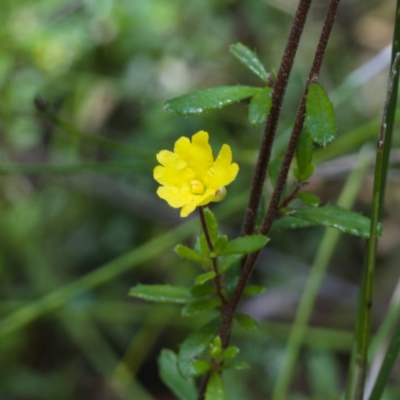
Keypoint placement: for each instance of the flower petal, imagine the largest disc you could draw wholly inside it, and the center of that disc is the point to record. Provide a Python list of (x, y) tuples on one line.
[(174, 196), (222, 172), (198, 200), (197, 154), (174, 172)]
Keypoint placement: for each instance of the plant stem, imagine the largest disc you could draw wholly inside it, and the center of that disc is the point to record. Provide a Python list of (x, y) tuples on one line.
[(317, 272), (264, 154), (357, 372), (273, 210), (214, 261)]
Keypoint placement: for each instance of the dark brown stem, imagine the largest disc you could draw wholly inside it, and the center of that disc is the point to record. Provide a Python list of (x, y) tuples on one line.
[(214, 261), (273, 210), (273, 117)]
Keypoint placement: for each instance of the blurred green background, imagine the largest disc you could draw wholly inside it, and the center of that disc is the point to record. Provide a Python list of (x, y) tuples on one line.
[(81, 223)]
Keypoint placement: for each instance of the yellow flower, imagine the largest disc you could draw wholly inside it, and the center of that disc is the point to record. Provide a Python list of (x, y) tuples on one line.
[(189, 175)]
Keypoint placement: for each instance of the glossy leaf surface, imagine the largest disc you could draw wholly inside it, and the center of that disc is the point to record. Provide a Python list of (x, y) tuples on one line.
[(249, 59), (161, 293), (209, 99), (260, 106), (245, 244)]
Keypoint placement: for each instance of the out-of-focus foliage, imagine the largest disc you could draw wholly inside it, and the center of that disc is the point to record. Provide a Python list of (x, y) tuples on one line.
[(107, 67)]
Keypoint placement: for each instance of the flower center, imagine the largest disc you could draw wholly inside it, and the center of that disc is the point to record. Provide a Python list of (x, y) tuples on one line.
[(196, 187)]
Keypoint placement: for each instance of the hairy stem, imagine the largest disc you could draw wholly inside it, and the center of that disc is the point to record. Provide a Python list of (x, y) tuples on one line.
[(273, 117)]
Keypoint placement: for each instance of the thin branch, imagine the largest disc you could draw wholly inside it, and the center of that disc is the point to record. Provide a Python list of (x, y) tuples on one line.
[(273, 117), (214, 261)]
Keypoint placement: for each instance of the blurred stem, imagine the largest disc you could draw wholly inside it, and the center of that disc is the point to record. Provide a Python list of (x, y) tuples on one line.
[(320, 264), (357, 371), (103, 143)]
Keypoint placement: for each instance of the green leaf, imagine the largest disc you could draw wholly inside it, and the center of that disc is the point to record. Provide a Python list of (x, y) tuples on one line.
[(336, 217), (200, 367), (187, 253), (236, 365), (309, 199), (245, 244), (184, 389), (200, 306), (216, 348), (320, 117), (259, 107), (229, 261), (200, 279), (302, 176), (195, 344), (253, 290), (220, 244), (161, 293), (212, 224), (229, 353), (249, 59), (304, 150), (246, 322), (199, 291), (215, 388), (209, 99), (290, 222)]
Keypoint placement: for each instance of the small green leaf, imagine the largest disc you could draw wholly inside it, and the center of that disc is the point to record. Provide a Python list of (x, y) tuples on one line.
[(216, 348), (187, 253), (200, 367), (184, 389), (215, 388), (203, 278), (304, 150), (212, 224), (260, 106), (229, 353), (161, 293), (309, 199), (236, 365), (220, 244), (195, 344), (273, 170), (249, 59), (200, 306), (199, 291), (253, 290), (320, 117), (246, 322), (209, 99), (229, 261), (290, 222), (245, 244), (205, 250), (336, 217), (304, 175)]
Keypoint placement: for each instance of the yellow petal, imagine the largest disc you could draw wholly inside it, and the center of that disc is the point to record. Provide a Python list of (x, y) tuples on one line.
[(174, 171), (197, 154), (174, 196), (222, 172)]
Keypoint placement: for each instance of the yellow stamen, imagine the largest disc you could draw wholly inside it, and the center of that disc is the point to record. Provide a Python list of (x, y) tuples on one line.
[(197, 187)]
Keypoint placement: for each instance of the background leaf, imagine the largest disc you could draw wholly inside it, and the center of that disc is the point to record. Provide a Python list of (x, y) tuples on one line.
[(161, 293), (249, 59), (336, 217), (320, 117), (184, 389), (200, 306), (246, 321), (209, 99)]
